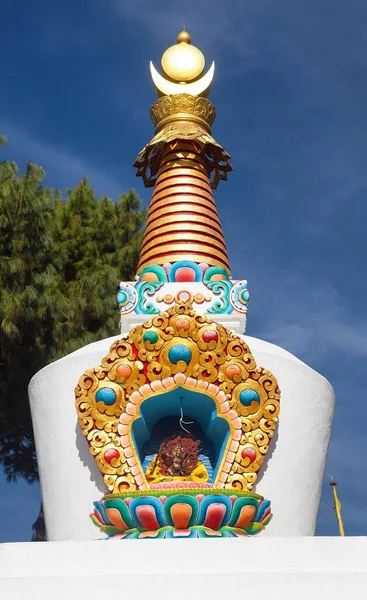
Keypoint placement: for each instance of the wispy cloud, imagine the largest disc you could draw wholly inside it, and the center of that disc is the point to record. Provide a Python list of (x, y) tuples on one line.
[(63, 167), (309, 318), (298, 30), (212, 23)]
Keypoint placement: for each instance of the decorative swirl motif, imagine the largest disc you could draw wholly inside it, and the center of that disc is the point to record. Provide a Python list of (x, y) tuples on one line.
[(222, 305), (240, 296), (146, 288), (172, 349), (127, 298)]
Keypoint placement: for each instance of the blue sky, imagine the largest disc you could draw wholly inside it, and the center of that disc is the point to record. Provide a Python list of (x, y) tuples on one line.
[(291, 98)]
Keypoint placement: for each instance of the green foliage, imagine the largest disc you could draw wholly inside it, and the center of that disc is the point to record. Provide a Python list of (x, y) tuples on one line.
[(60, 264)]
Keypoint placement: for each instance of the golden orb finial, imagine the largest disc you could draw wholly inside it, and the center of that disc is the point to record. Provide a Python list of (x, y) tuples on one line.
[(184, 36), (183, 62)]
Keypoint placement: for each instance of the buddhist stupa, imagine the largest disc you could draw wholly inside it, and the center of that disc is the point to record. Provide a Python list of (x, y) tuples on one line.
[(181, 426)]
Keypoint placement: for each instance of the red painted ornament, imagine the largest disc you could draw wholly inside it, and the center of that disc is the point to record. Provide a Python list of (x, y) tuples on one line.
[(185, 274), (249, 453), (209, 335), (110, 454)]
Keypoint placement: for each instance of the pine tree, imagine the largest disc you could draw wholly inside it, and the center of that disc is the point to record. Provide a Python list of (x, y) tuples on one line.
[(99, 241), (27, 274), (60, 264)]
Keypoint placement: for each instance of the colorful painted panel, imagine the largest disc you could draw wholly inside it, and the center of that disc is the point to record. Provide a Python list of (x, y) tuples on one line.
[(187, 355), (160, 287), (185, 513)]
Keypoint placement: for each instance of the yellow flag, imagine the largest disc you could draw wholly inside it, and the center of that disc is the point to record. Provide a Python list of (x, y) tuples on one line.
[(337, 507)]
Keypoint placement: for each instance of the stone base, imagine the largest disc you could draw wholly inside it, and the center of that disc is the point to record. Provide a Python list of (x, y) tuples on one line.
[(276, 568)]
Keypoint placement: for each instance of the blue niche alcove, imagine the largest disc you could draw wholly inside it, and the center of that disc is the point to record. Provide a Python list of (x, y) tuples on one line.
[(159, 419)]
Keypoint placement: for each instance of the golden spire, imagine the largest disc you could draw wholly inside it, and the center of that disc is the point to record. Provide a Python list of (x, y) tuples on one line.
[(183, 222), (337, 507), (184, 163)]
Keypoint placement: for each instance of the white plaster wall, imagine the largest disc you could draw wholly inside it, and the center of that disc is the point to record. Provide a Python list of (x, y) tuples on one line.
[(274, 568), (291, 477)]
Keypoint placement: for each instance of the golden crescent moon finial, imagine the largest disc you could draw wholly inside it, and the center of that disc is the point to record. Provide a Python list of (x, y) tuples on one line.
[(183, 64), (170, 88)]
